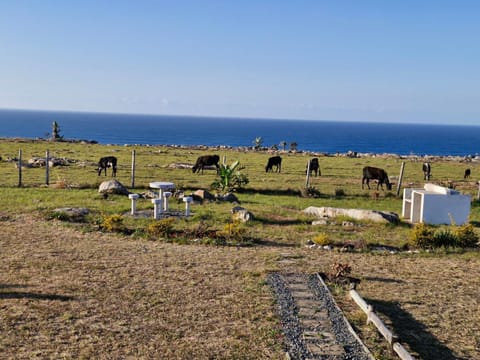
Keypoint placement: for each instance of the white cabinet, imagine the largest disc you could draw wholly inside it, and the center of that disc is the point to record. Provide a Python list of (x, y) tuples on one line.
[(435, 205)]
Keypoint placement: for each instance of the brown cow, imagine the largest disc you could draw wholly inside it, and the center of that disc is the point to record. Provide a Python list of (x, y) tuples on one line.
[(204, 161), (373, 173), (274, 161), (314, 167)]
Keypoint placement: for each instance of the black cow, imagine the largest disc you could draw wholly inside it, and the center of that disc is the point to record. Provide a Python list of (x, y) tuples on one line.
[(314, 167), (373, 173), (106, 162), (274, 161), (467, 173), (427, 171), (205, 160)]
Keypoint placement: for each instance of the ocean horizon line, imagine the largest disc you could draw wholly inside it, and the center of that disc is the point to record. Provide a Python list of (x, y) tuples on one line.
[(233, 117)]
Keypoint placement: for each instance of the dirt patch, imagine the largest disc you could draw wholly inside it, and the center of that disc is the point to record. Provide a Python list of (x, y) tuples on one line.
[(73, 295), (64, 293)]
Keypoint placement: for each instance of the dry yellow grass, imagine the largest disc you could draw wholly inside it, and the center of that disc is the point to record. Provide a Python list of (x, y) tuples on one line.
[(67, 294)]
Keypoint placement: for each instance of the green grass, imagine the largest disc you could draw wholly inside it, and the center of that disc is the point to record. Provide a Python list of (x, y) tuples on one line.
[(273, 198)]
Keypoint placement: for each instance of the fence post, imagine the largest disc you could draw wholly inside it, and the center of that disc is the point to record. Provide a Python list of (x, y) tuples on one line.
[(47, 167), (400, 178), (307, 181), (20, 168), (133, 169)]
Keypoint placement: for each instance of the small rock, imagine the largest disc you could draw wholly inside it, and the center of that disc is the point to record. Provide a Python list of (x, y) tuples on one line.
[(241, 214), (149, 194), (229, 197), (320, 222), (73, 214), (204, 195)]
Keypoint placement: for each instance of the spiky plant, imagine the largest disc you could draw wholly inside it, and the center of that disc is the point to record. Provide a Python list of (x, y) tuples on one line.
[(229, 177)]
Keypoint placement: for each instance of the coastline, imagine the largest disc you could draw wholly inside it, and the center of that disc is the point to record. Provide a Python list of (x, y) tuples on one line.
[(348, 154), (320, 136)]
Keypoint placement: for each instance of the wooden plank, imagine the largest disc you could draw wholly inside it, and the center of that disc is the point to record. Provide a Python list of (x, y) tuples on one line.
[(401, 352), (359, 301), (387, 334)]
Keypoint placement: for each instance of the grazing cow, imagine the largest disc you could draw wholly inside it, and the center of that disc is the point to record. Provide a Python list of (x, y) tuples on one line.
[(106, 162), (205, 160), (373, 173), (314, 167), (274, 161), (467, 173), (426, 171)]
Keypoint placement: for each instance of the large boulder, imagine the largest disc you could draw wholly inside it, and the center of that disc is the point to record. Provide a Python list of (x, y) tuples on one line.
[(113, 187), (357, 214)]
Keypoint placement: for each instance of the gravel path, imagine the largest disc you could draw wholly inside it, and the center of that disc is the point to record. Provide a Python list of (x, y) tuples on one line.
[(314, 327)]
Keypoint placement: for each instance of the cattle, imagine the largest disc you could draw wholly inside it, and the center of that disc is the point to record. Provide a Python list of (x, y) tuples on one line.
[(314, 167), (274, 161), (467, 173), (106, 162), (204, 161), (373, 173), (426, 171)]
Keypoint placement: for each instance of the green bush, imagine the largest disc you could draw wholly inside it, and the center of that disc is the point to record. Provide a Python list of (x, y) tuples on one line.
[(444, 238), (113, 223), (465, 236), (339, 193), (233, 233), (162, 228), (425, 237), (421, 236)]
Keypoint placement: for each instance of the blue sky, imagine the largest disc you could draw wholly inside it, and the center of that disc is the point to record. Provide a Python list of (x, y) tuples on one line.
[(399, 61)]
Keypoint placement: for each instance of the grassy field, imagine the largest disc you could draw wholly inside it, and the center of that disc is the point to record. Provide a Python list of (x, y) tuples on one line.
[(70, 290)]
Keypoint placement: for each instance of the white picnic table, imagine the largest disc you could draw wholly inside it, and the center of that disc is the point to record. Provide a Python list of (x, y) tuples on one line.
[(161, 203)]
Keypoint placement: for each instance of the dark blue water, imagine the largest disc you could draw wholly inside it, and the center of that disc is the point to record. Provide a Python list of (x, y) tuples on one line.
[(318, 136)]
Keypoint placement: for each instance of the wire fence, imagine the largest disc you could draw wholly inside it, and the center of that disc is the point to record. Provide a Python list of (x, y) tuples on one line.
[(135, 169)]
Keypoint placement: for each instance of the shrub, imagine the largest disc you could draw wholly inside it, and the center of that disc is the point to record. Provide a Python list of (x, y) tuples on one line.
[(113, 223), (465, 236), (229, 177), (339, 193), (233, 232), (425, 237), (322, 239), (162, 228), (445, 238), (310, 191), (421, 236)]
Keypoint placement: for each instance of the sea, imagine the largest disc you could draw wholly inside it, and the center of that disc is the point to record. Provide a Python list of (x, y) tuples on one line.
[(329, 137)]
